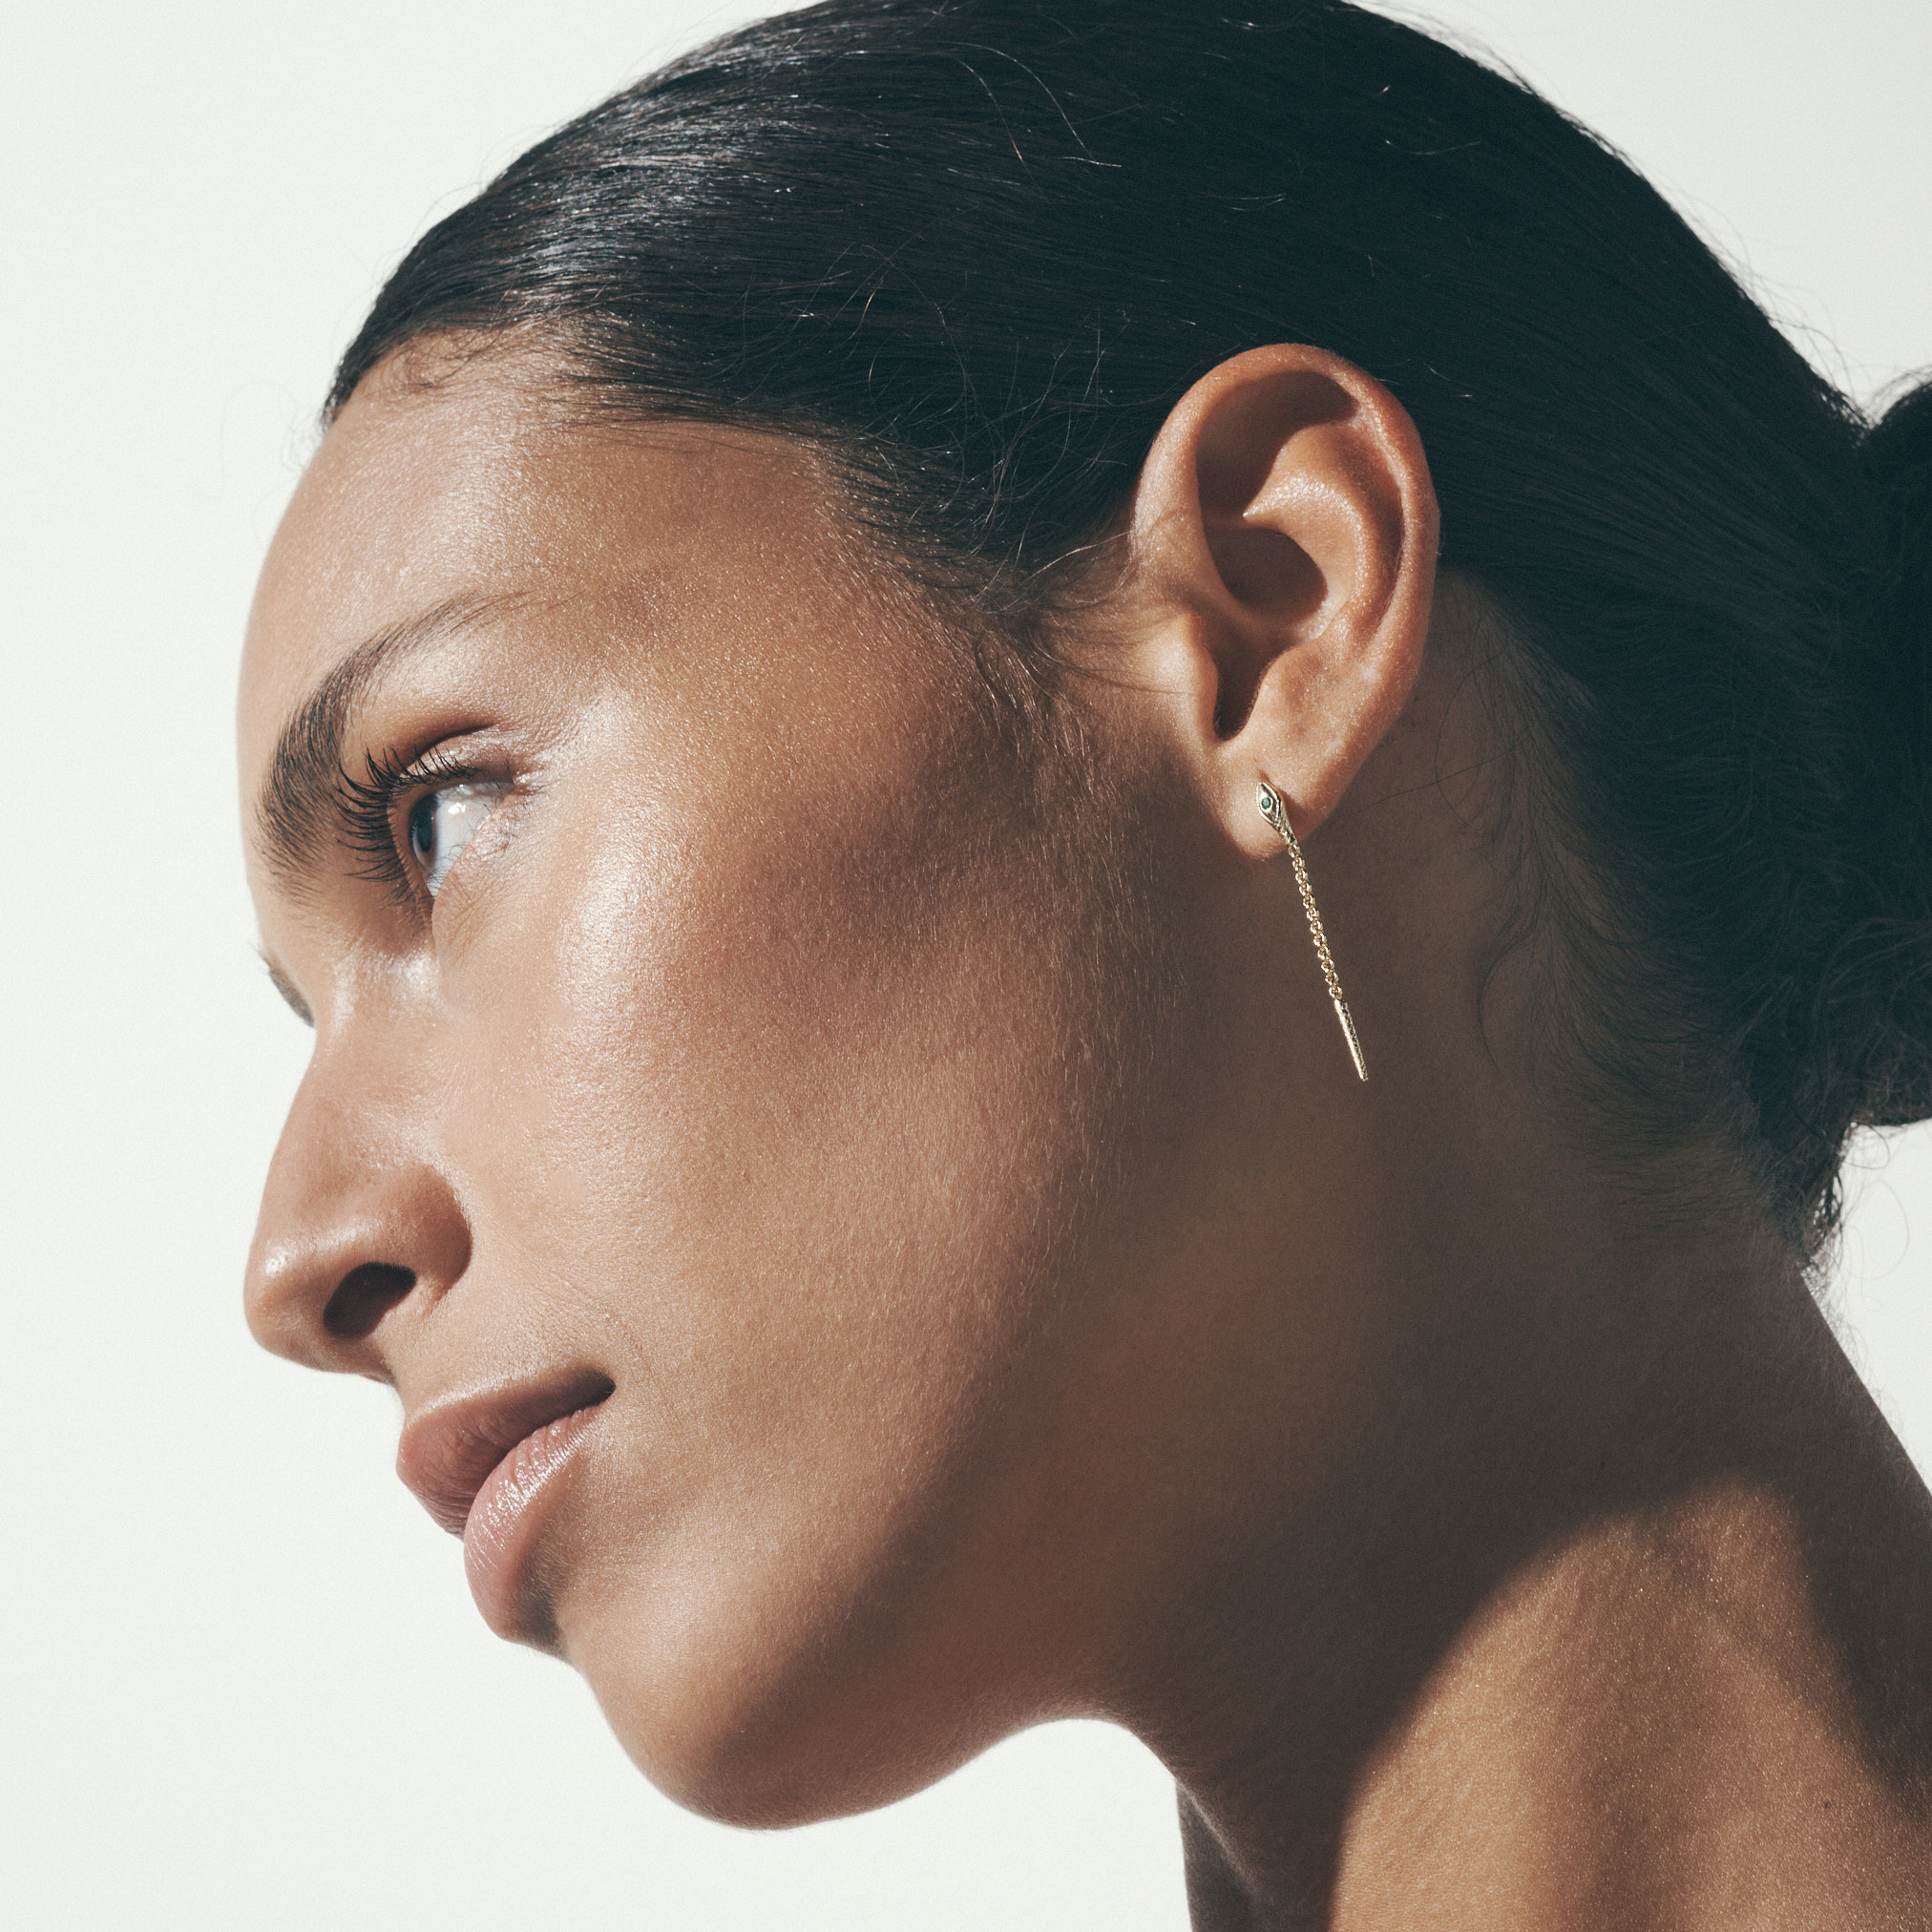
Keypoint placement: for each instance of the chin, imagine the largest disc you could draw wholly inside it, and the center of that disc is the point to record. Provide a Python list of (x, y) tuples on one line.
[(777, 1719), (772, 1754)]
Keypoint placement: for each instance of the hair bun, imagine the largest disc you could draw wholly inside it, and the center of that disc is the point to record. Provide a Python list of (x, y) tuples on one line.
[(1888, 957)]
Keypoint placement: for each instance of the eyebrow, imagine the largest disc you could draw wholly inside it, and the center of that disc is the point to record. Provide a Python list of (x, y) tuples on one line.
[(298, 810)]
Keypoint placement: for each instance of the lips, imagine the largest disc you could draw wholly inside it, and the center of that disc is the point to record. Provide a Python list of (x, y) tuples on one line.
[(480, 1463)]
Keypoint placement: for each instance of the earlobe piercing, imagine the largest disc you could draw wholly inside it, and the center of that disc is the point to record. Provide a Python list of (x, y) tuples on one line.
[(1275, 813)]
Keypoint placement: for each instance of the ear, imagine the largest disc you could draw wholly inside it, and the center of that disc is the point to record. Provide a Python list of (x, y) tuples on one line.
[(1284, 535)]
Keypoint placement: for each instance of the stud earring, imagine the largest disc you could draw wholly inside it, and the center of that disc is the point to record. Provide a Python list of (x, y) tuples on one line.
[(1275, 813)]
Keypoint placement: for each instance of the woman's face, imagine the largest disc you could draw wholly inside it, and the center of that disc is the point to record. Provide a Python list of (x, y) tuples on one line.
[(726, 1042)]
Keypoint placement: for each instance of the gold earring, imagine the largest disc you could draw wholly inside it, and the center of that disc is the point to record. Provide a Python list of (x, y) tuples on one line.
[(1275, 813)]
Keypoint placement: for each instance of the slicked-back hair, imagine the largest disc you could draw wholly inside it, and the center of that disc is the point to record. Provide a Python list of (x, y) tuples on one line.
[(977, 249)]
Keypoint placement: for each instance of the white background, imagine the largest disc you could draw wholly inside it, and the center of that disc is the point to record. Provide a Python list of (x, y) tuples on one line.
[(240, 1681)]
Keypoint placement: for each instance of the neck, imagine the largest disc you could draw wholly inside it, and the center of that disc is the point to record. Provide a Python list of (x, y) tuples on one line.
[(1494, 1538), (1617, 1616)]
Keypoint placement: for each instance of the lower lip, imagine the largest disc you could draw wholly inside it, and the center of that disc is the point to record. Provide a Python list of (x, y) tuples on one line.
[(505, 1519)]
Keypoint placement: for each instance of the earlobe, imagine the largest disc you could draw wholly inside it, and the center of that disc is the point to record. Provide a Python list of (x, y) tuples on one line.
[(1286, 527)]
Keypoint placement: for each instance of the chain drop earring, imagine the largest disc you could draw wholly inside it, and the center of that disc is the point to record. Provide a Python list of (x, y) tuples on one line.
[(1275, 811)]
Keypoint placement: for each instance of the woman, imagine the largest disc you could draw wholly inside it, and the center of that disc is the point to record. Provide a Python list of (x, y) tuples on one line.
[(1099, 821)]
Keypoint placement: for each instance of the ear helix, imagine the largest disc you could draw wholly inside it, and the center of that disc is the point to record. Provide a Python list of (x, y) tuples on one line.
[(1272, 809)]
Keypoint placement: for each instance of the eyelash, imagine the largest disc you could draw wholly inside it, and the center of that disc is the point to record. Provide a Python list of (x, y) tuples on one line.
[(369, 806)]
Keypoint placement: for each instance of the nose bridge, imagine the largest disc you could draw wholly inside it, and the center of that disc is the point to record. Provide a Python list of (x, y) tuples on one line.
[(359, 1222)]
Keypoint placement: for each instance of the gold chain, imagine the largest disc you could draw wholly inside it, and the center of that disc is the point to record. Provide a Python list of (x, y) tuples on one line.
[(1275, 813)]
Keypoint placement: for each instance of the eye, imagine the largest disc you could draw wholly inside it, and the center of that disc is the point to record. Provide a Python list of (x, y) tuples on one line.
[(444, 821)]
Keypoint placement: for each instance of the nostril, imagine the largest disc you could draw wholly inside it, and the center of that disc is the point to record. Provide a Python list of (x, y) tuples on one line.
[(363, 1297)]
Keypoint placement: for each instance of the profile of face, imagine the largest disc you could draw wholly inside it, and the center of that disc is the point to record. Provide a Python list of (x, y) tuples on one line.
[(832, 1100), (753, 1122)]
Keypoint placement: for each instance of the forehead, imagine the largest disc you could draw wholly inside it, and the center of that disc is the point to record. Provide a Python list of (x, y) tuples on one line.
[(485, 486)]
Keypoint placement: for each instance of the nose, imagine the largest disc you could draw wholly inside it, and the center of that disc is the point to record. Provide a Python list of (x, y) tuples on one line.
[(359, 1230)]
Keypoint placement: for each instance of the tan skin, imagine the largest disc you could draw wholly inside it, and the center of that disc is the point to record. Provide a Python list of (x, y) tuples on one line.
[(936, 1138)]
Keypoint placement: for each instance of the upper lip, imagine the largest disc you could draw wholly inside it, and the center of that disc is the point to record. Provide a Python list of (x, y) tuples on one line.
[(448, 1449)]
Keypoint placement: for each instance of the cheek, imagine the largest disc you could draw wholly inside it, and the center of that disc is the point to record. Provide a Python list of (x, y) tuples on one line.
[(796, 1115), (803, 1128)]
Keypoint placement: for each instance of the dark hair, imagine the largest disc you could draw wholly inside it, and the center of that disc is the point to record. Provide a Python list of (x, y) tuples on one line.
[(977, 249)]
